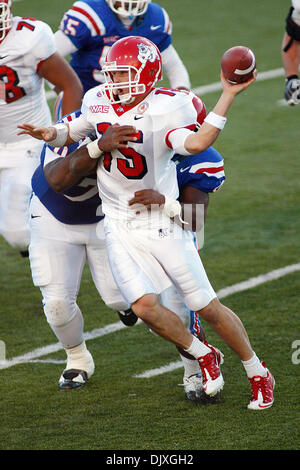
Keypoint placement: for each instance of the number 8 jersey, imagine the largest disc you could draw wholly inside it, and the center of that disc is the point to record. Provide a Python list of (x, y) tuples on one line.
[(22, 95)]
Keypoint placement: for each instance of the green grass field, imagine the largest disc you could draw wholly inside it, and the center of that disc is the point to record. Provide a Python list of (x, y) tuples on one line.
[(252, 228)]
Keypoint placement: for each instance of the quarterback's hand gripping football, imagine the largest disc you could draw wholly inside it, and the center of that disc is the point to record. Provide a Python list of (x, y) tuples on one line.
[(237, 88), (41, 133)]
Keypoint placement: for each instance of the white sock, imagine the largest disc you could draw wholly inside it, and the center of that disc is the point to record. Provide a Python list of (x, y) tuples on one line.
[(254, 367), (191, 366), (80, 358), (197, 348), (77, 352)]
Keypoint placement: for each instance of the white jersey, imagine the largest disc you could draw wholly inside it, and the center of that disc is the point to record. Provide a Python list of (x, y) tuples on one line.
[(146, 164), (22, 94), (296, 11), (296, 4)]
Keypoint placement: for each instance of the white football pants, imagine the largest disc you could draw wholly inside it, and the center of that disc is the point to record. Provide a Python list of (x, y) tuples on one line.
[(144, 260), (58, 253), (15, 191)]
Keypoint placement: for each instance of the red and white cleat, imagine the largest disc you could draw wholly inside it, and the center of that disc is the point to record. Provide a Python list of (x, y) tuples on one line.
[(262, 391), (213, 381)]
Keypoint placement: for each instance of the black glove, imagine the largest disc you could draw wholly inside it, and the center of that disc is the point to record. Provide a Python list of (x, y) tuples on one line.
[(292, 90)]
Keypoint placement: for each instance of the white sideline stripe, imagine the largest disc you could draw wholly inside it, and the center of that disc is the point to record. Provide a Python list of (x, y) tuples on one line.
[(282, 102), (256, 281), (52, 348), (159, 370), (202, 90), (241, 286), (49, 361), (112, 327)]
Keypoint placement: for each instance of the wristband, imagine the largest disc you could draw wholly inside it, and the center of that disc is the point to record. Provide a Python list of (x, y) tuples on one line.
[(93, 149), (62, 131), (216, 120), (172, 208)]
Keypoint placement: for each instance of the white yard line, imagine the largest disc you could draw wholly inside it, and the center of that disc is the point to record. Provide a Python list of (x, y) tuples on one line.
[(113, 327), (52, 348), (241, 286), (256, 281), (203, 90)]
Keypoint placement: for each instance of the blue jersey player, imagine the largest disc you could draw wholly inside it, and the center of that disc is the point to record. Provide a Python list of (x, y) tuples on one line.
[(90, 27)]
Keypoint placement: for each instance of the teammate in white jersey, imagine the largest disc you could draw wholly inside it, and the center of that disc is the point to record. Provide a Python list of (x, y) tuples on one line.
[(27, 57), (146, 250), (290, 54)]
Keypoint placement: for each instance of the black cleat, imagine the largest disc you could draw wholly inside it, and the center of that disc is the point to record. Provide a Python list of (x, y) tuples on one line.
[(193, 387), (24, 254), (72, 378), (127, 317)]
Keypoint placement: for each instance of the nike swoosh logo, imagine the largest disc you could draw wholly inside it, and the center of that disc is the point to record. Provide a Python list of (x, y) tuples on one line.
[(136, 118), (153, 28), (3, 57), (266, 406), (35, 216), (184, 169)]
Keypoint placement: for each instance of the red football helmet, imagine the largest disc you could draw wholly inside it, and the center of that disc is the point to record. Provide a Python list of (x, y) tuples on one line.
[(128, 8), (132, 54), (5, 17)]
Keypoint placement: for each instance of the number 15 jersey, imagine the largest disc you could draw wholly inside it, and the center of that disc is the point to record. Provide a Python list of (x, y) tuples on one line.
[(146, 163)]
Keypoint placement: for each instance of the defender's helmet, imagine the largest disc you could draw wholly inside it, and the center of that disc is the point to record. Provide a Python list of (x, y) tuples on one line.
[(128, 8), (5, 18), (133, 53)]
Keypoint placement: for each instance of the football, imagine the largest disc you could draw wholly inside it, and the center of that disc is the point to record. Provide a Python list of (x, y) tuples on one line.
[(238, 64)]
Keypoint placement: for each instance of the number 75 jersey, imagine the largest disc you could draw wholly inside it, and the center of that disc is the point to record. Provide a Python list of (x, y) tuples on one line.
[(146, 163), (22, 95)]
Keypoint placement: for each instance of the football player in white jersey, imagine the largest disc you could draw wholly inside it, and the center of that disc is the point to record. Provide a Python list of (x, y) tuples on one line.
[(67, 230), (27, 57), (290, 54), (140, 127)]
